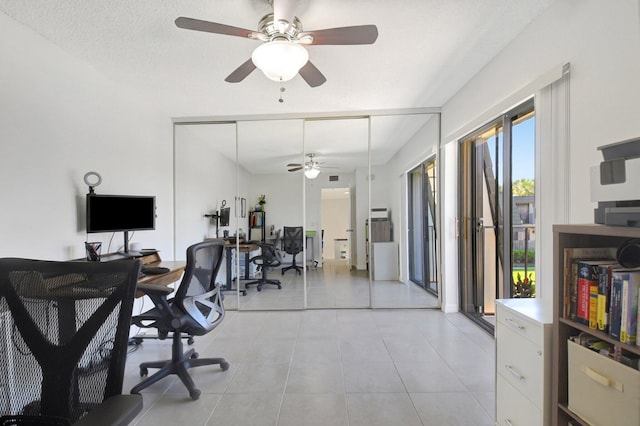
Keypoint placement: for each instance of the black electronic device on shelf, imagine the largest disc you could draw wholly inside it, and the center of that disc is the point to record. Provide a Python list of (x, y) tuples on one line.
[(120, 213)]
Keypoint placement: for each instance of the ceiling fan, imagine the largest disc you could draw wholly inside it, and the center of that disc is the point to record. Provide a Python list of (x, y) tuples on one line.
[(311, 167), (282, 56)]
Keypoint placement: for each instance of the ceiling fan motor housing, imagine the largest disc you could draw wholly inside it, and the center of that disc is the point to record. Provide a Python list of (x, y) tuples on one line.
[(280, 29)]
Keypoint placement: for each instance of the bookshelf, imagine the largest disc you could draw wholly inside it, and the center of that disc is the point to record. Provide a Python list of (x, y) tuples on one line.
[(257, 226), (566, 236)]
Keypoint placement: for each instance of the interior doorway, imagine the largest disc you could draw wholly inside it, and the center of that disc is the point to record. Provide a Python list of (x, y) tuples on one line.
[(336, 227)]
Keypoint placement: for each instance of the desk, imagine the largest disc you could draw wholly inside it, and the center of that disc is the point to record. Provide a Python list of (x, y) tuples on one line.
[(243, 248), (176, 269)]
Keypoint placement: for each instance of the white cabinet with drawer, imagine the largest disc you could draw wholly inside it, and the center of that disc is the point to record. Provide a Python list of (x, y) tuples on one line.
[(523, 362)]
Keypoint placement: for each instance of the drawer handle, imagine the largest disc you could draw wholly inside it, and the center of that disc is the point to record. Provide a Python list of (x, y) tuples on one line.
[(513, 371), (603, 380), (514, 324)]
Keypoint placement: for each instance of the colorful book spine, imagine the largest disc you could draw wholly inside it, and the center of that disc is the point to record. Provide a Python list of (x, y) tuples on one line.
[(629, 315), (638, 323), (604, 296), (587, 278), (615, 306), (572, 256), (593, 307)]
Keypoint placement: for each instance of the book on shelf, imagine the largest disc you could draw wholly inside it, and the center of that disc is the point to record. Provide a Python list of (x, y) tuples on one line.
[(593, 307), (604, 296), (638, 323), (615, 304), (623, 308), (572, 256), (629, 314), (587, 290)]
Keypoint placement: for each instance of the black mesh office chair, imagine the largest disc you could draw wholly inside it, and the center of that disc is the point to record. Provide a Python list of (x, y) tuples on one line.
[(195, 310), (65, 328), (265, 260), (292, 243)]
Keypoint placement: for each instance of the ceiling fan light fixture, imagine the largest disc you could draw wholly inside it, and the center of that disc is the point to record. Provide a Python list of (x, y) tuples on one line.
[(280, 60), (311, 171)]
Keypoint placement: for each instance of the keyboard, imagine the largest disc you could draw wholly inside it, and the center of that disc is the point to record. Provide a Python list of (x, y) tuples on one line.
[(158, 270)]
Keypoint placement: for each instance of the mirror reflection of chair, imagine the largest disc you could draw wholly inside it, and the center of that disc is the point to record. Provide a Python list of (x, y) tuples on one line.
[(195, 310), (265, 260), (66, 331), (292, 241)]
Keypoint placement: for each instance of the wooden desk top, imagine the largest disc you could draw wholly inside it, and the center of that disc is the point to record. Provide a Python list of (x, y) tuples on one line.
[(176, 269), (242, 247)]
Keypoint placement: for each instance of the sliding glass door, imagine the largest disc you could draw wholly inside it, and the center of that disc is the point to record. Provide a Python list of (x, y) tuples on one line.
[(422, 231), (496, 218)]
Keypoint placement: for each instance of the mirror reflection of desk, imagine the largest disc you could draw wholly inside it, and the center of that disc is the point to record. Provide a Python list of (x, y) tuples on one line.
[(242, 247)]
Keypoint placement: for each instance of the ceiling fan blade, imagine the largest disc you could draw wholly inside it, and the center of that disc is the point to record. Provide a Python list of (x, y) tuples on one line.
[(296, 169), (360, 34), (213, 27), (294, 165), (241, 72), (312, 75)]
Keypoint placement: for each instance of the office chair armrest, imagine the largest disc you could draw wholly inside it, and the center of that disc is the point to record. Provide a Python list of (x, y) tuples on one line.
[(154, 289), (117, 410)]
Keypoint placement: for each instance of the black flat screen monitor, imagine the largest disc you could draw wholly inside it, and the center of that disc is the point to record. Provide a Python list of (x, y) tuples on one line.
[(225, 213), (112, 213)]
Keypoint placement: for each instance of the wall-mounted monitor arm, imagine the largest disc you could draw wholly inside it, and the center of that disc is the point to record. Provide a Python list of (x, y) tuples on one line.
[(214, 217)]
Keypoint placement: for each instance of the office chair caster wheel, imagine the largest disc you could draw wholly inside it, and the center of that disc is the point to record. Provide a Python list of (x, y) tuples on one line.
[(190, 341), (279, 287), (195, 355), (224, 365), (259, 289), (144, 372), (195, 394)]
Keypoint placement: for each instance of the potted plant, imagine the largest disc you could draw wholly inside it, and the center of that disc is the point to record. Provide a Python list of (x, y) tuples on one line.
[(261, 202)]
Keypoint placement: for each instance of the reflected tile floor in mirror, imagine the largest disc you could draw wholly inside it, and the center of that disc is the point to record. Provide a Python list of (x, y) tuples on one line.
[(332, 286), (330, 367)]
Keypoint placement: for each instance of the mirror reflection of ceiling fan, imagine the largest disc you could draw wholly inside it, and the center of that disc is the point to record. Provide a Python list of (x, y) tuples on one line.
[(282, 56), (311, 167)]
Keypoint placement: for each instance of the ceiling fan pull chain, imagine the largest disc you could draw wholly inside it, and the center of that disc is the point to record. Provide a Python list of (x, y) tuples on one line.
[(282, 89)]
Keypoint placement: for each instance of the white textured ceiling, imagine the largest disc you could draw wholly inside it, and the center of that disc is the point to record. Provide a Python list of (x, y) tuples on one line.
[(425, 52)]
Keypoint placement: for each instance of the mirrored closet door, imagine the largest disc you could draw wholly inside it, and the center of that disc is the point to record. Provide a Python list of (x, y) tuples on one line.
[(336, 205), (325, 198), (398, 144), (274, 222)]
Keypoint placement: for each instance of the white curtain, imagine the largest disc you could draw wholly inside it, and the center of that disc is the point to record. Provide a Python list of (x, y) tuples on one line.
[(553, 173)]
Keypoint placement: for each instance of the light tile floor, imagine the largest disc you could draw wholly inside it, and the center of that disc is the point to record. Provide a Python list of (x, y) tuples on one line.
[(330, 367)]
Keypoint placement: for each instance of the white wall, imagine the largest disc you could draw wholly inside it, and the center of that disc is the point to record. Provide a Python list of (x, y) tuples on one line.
[(59, 118), (204, 179), (283, 192), (601, 40)]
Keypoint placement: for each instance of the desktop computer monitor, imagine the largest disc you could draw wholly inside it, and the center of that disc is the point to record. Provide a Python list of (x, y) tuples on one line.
[(225, 213)]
